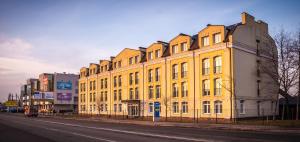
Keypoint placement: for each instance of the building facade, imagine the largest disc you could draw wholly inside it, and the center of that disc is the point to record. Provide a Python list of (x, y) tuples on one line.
[(215, 73), (56, 92)]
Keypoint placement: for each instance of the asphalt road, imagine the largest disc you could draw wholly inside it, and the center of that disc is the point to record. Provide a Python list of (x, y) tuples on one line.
[(15, 128)]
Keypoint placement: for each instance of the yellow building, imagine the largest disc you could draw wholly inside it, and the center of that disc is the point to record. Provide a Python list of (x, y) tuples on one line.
[(215, 73)]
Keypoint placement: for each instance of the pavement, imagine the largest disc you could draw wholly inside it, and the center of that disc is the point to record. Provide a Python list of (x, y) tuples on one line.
[(19, 128)]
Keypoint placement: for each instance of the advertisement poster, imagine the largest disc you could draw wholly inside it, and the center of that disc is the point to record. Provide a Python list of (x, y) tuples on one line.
[(48, 95), (37, 95), (64, 96), (64, 85)]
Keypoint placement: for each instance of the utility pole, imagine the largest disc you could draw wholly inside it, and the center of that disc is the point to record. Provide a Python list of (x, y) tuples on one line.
[(297, 115)]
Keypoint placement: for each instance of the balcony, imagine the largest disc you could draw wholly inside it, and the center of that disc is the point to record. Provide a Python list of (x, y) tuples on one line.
[(218, 69)]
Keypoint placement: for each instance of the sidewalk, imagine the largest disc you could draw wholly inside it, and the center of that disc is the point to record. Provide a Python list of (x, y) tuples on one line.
[(202, 125)]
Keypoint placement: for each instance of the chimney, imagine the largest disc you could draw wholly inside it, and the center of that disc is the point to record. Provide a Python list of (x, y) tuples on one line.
[(247, 18)]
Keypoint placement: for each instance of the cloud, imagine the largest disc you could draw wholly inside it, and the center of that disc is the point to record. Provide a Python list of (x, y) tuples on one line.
[(17, 64), (14, 47)]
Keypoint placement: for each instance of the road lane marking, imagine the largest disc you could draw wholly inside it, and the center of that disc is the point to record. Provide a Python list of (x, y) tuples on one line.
[(131, 132), (72, 133), (78, 134)]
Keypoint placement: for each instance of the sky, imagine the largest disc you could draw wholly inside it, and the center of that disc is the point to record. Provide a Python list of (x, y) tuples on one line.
[(38, 36)]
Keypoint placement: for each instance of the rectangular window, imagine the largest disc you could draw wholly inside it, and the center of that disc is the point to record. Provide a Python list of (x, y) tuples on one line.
[(130, 60), (150, 55), (115, 81), (205, 41), (136, 59), (150, 75), (120, 80), (218, 65), (105, 95), (157, 91), (217, 38), (102, 84), (184, 89), (242, 107), (175, 90), (157, 76), (184, 70), (157, 53), (105, 83), (131, 94), (115, 107), (218, 86), (175, 71), (206, 107), (119, 64), (120, 94), (175, 49), (150, 107), (136, 78), (130, 78), (184, 107), (136, 93), (205, 66), (120, 107), (175, 107), (206, 87), (115, 95), (218, 107), (184, 46), (150, 91)]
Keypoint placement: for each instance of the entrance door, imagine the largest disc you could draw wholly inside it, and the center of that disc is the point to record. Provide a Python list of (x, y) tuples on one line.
[(133, 110)]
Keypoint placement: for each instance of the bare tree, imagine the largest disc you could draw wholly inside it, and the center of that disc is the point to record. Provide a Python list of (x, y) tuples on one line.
[(167, 103), (282, 68), (100, 103)]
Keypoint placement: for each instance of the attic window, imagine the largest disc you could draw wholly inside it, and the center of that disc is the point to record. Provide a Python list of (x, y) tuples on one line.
[(217, 38), (205, 41)]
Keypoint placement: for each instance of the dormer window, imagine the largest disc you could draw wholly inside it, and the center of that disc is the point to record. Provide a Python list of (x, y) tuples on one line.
[(157, 53), (217, 38), (130, 60), (136, 59), (175, 49), (119, 64), (150, 55), (184, 46), (115, 65), (205, 41)]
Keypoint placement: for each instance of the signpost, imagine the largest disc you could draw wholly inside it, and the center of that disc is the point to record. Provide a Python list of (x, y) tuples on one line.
[(156, 115)]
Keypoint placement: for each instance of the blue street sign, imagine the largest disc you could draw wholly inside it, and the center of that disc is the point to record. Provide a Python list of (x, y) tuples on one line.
[(156, 111)]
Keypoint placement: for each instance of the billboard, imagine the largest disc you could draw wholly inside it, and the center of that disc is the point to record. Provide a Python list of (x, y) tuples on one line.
[(48, 95), (64, 96), (37, 95), (11, 103), (60, 85)]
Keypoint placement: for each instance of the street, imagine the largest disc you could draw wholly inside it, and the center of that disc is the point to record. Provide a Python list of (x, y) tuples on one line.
[(14, 127)]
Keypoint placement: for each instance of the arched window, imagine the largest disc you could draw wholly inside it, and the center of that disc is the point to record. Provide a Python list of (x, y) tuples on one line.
[(218, 64)]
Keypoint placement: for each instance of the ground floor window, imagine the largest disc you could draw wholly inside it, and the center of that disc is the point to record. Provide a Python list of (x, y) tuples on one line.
[(218, 107), (175, 107), (150, 107), (184, 106), (115, 107), (206, 107), (242, 106), (120, 107)]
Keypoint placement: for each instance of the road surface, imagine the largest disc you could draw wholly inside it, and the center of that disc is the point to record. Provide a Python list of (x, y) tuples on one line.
[(18, 128)]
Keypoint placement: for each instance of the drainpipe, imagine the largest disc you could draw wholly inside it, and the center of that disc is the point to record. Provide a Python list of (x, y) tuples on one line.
[(143, 90), (194, 74), (231, 86), (166, 96)]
